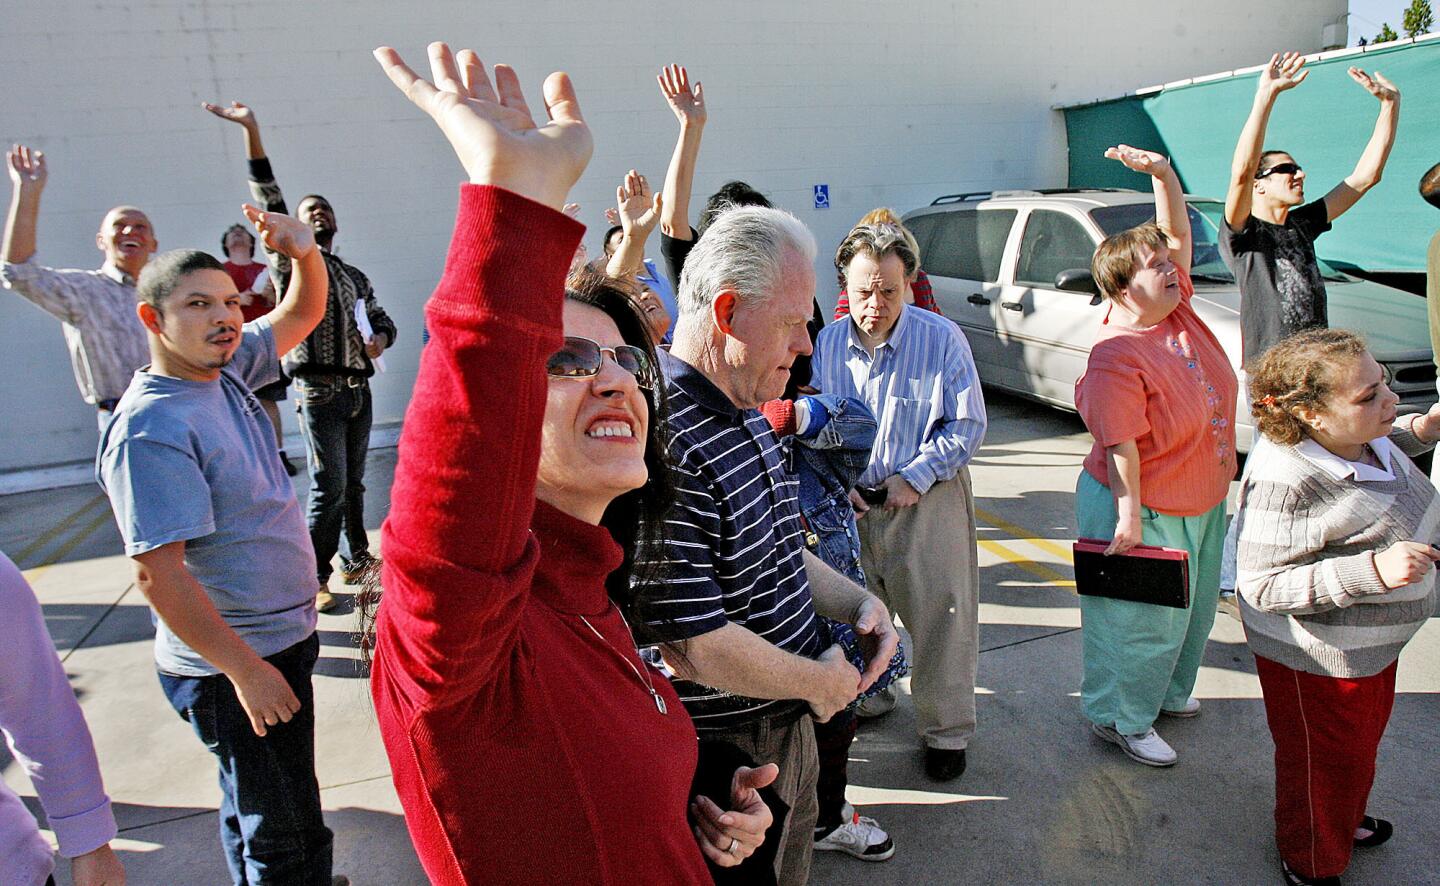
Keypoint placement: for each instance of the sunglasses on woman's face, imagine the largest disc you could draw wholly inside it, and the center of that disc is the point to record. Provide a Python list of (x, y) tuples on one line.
[(582, 358), (1285, 168)]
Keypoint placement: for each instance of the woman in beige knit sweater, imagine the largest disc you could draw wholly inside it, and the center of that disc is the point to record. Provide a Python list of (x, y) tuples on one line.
[(1336, 574)]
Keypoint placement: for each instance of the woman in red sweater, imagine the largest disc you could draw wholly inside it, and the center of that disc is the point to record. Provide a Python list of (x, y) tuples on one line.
[(528, 740)]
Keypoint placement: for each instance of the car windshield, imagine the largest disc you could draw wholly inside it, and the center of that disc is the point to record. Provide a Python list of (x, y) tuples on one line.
[(1206, 216)]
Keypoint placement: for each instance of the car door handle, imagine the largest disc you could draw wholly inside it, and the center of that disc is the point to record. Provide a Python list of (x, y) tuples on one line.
[(1012, 306), (978, 299)]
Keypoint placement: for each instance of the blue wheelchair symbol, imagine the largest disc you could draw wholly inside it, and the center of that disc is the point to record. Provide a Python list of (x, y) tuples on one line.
[(822, 196)]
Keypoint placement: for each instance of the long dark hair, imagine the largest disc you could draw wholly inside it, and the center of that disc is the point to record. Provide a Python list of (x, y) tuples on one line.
[(636, 520)]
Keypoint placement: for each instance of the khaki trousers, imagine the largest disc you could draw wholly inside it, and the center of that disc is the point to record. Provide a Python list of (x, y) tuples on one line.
[(921, 562), (792, 748)]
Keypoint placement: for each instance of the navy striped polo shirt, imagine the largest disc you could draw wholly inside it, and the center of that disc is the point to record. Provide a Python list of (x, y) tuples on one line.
[(734, 542)]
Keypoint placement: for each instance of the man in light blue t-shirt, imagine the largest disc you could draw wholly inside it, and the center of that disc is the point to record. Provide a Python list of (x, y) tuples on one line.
[(220, 546)]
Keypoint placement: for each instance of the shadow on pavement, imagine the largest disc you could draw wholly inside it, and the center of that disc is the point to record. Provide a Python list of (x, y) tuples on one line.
[(72, 625), (181, 844)]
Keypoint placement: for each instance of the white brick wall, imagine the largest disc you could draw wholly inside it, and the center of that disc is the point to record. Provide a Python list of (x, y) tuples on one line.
[(889, 104)]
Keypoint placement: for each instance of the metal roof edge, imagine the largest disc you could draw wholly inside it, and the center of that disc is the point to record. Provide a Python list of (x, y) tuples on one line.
[(1326, 55)]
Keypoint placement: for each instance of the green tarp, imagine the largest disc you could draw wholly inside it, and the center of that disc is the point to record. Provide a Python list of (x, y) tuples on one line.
[(1324, 122)]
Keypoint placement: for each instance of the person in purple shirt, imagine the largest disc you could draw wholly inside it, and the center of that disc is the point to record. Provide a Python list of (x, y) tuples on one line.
[(43, 726)]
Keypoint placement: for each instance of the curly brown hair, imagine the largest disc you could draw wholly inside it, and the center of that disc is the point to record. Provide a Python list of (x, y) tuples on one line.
[(1298, 373)]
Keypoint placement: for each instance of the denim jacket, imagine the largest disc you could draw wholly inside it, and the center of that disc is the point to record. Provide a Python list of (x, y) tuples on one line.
[(827, 466)]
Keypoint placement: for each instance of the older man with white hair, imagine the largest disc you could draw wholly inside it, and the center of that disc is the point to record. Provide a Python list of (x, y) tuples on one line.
[(740, 591)]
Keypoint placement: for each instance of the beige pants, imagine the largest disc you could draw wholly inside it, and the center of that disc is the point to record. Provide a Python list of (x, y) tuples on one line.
[(792, 748), (921, 562)]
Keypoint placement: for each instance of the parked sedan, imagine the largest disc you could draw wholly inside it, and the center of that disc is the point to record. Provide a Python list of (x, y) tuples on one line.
[(997, 263)]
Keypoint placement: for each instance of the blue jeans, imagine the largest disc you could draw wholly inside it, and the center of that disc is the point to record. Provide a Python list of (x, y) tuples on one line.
[(270, 821), (335, 419)]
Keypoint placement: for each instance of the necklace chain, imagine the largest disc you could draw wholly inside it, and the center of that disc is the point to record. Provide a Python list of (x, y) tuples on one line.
[(643, 678)]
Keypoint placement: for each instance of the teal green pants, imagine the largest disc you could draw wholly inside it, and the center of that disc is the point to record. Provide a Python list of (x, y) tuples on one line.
[(1140, 657)]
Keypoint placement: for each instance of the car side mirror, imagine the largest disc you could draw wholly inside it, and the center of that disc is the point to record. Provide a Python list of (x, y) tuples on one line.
[(1078, 280)]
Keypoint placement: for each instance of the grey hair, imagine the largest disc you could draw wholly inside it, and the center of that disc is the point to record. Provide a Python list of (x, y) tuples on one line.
[(744, 249), (877, 241)]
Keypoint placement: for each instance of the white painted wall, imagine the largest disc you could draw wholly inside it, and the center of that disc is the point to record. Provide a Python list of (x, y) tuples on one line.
[(888, 104)]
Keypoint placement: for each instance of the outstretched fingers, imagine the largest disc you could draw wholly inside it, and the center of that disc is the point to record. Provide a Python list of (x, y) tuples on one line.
[(507, 83), (561, 102), (1294, 61), (443, 69), (472, 74), (407, 81)]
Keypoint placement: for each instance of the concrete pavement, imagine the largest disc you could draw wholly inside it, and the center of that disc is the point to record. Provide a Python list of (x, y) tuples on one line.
[(1043, 800)]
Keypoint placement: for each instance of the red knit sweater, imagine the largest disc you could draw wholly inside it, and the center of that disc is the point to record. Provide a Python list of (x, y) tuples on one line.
[(524, 749)]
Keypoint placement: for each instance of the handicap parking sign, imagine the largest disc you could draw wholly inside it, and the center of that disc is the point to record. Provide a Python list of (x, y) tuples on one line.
[(822, 196)]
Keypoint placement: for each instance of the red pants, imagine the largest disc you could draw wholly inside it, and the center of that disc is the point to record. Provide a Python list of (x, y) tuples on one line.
[(1326, 732)]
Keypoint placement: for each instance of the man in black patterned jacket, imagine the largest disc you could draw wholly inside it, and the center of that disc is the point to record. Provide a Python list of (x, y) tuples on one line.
[(331, 369)]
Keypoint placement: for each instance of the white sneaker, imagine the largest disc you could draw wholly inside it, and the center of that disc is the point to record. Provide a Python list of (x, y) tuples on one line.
[(1146, 747), (1191, 709), (859, 836), (877, 705)]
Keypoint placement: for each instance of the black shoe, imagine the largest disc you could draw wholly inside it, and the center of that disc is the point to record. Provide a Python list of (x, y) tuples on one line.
[(1294, 879), (289, 465), (1380, 831), (357, 570), (944, 765)]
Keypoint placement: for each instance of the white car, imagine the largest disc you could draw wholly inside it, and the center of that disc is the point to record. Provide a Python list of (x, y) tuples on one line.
[(997, 261)]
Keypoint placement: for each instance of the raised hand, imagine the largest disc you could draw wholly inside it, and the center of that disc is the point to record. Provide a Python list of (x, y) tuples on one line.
[(236, 113), (494, 135), (638, 208), (27, 167), (572, 210), (687, 104), (612, 215), (1376, 85), (281, 233), (1140, 160), (1283, 72)]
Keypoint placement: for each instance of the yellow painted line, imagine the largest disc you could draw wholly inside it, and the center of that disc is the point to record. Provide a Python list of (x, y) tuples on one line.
[(1040, 570), (58, 529), (1022, 534), (85, 532)]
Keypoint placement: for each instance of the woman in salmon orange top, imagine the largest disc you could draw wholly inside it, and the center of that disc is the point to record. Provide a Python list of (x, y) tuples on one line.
[(528, 740), (1158, 395)]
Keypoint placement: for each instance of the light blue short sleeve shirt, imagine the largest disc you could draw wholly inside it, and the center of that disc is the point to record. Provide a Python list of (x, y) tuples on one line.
[(196, 462)]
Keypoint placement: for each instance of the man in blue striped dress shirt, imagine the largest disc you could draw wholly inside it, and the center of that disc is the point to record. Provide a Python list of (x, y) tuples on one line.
[(916, 510), (739, 591)]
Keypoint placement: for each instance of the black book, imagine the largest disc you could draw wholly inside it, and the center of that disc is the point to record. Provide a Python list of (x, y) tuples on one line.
[(1143, 574)]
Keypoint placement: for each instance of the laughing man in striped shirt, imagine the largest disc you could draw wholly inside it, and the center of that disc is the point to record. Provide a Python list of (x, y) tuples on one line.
[(741, 590), (917, 544)]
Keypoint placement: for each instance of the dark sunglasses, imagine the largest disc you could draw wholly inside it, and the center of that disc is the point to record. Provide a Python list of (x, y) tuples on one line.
[(582, 358), (1287, 168)]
